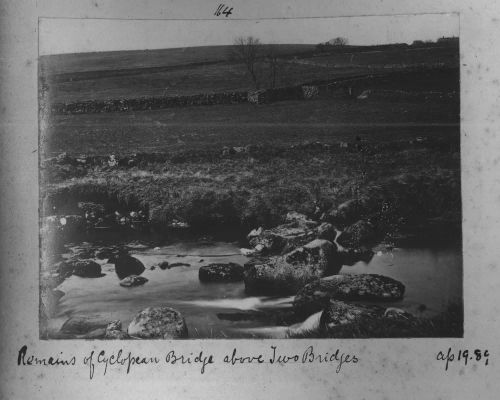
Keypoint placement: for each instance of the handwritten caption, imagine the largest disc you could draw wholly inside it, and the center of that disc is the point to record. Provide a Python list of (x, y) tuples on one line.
[(464, 357), (223, 10), (100, 361)]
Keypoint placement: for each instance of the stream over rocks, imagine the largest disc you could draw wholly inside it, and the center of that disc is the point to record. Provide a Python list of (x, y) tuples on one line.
[(223, 309)]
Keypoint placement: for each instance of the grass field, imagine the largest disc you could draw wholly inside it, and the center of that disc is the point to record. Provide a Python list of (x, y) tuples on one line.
[(401, 149), (282, 123)]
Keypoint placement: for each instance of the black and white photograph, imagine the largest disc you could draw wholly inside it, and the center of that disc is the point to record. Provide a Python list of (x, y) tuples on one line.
[(222, 179), (249, 199)]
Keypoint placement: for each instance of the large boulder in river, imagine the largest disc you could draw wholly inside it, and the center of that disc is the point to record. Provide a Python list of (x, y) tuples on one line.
[(342, 320), (287, 274), (126, 265), (86, 269), (316, 295), (133, 280), (158, 323), (230, 272), (321, 253), (297, 231)]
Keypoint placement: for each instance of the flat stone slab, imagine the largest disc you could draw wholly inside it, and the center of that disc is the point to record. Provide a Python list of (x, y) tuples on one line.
[(230, 272)]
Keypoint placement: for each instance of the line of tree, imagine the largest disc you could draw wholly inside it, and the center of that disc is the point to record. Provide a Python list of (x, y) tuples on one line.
[(336, 42)]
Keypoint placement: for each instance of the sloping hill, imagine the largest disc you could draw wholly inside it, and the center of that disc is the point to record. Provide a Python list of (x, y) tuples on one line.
[(135, 59), (210, 69)]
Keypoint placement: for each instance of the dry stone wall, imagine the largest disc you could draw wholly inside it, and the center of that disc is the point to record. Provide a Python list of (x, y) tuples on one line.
[(148, 103)]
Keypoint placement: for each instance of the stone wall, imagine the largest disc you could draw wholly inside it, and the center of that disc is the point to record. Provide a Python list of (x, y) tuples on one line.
[(148, 103), (310, 92)]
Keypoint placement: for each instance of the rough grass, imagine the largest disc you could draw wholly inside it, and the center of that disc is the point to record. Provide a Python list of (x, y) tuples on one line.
[(280, 124), (407, 183)]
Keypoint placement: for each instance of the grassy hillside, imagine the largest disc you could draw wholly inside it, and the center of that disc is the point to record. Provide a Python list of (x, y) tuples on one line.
[(173, 72), (132, 59)]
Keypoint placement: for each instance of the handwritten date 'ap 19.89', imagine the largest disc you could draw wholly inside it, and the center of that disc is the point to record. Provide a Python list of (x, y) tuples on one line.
[(464, 356)]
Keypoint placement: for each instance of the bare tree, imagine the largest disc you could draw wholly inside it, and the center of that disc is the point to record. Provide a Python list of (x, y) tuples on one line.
[(339, 41), (247, 51)]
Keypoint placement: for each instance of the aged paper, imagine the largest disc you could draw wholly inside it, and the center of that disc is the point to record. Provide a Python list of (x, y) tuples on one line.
[(130, 181)]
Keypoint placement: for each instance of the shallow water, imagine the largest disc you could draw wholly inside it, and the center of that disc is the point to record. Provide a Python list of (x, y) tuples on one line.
[(432, 279)]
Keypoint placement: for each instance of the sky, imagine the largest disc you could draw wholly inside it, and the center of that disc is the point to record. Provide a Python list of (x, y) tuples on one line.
[(59, 36)]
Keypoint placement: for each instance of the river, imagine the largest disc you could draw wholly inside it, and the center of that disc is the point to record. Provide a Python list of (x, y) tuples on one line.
[(433, 280)]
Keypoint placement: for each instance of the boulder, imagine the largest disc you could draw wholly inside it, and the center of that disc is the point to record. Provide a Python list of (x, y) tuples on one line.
[(294, 216), (319, 252), (158, 323), (342, 320), (297, 231), (289, 273), (87, 269), (339, 313), (114, 331), (179, 264), (357, 235), (115, 325), (126, 265), (370, 287), (82, 268), (230, 272), (164, 265), (133, 280)]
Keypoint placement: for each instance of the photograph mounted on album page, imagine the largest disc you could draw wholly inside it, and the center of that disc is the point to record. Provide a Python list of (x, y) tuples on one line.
[(210, 193)]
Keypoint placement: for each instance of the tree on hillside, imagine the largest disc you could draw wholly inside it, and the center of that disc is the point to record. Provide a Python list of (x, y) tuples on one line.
[(247, 51), (338, 41)]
